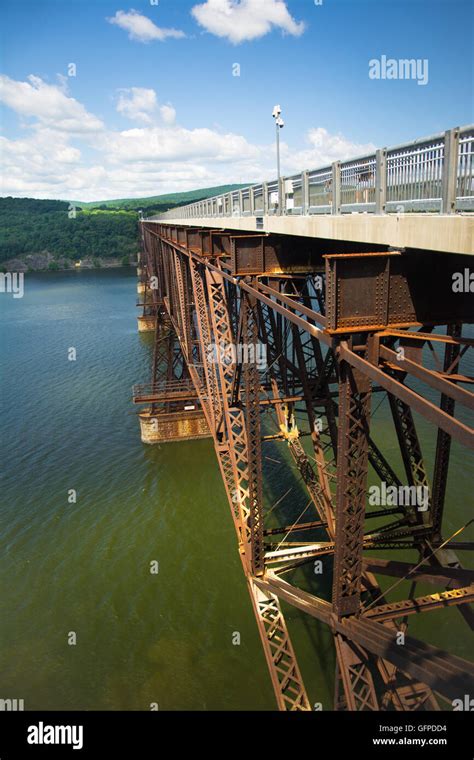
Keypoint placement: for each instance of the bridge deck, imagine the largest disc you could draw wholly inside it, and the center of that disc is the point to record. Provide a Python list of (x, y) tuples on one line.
[(448, 233)]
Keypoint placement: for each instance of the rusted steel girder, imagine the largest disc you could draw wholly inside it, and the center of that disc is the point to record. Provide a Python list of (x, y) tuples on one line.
[(356, 676), (443, 443), (352, 469), (421, 604), (251, 387)]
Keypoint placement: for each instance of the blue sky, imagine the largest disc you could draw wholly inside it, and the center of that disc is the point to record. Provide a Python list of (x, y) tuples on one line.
[(154, 106)]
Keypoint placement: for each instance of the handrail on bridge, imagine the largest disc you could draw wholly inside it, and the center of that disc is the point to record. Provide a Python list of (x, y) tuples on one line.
[(434, 174), (163, 390)]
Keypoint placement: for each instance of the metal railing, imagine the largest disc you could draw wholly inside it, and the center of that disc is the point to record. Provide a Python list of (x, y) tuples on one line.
[(433, 174), (164, 390)]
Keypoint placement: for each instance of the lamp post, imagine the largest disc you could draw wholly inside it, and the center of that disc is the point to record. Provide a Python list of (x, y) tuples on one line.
[(279, 124)]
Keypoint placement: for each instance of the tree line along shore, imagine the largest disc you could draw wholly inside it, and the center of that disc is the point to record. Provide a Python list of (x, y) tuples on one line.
[(39, 235)]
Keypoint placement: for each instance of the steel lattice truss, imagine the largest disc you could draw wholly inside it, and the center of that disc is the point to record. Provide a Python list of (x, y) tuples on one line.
[(341, 330)]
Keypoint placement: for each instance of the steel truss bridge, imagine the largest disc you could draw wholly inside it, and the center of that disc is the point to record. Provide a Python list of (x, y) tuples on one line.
[(345, 322)]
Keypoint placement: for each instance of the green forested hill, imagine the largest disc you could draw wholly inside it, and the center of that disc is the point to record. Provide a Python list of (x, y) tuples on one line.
[(158, 201), (105, 229), (29, 226)]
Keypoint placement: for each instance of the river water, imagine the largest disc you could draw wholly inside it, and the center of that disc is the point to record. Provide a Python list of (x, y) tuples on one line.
[(82, 570)]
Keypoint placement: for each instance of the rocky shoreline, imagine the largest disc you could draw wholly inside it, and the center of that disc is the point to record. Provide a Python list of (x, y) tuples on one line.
[(41, 262)]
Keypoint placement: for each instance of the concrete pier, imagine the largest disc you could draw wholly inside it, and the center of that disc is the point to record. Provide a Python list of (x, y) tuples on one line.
[(172, 426), (146, 324)]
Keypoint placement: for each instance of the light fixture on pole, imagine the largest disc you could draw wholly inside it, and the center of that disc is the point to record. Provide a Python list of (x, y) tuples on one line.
[(279, 124)]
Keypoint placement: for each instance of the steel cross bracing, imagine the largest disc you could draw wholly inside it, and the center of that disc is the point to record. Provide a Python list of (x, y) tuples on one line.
[(332, 355)]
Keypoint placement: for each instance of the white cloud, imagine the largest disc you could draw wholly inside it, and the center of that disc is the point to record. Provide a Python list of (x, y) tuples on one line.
[(138, 103), (141, 104), (151, 160), (168, 114), (38, 163), (156, 156), (240, 20), (324, 149), (160, 144), (141, 28), (48, 103)]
